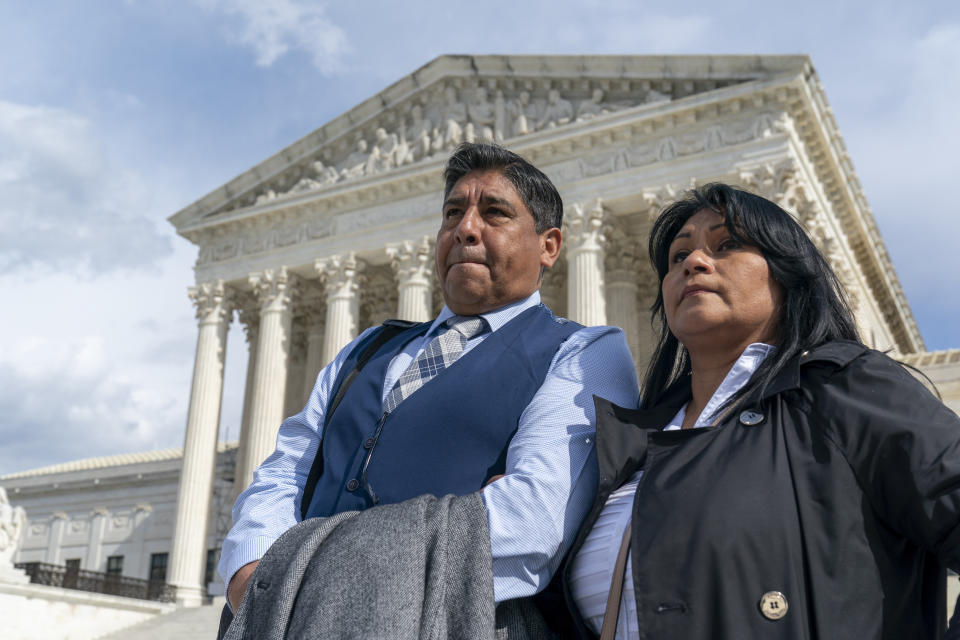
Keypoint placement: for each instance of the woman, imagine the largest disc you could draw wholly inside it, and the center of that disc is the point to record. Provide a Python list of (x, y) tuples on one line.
[(780, 479)]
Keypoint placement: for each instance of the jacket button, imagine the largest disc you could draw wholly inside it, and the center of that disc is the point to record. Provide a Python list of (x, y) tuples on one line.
[(750, 418), (773, 605), (352, 485), (368, 443)]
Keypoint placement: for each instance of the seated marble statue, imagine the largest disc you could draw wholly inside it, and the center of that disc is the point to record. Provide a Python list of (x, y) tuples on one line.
[(592, 107), (356, 163), (557, 112)]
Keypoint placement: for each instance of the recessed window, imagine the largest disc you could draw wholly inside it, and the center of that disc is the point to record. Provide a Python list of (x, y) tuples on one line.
[(114, 565), (72, 564), (158, 566)]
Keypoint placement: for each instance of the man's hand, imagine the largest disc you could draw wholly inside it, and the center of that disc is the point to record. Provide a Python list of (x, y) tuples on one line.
[(491, 481), (238, 584)]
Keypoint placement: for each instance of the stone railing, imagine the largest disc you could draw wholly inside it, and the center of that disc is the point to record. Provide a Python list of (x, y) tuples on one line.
[(57, 576)]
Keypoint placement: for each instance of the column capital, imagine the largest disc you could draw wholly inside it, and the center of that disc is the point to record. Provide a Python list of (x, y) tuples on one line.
[(657, 199), (771, 181), (213, 301), (621, 262), (342, 273), (59, 515), (412, 260), (274, 288), (584, 227)]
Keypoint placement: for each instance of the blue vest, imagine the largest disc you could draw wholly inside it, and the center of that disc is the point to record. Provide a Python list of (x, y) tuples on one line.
[(451, 435)]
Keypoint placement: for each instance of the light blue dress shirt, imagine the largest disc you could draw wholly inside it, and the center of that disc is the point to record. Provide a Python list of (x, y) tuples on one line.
[(551, 472)]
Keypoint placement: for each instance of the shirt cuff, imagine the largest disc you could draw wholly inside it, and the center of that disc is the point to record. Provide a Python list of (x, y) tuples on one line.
[(246, 552)]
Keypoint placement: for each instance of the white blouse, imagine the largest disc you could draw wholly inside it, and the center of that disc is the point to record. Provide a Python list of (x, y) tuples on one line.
[(592, 568)]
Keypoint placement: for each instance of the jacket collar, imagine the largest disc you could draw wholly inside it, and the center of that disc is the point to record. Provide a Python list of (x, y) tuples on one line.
[(622, 433), (838, 353)]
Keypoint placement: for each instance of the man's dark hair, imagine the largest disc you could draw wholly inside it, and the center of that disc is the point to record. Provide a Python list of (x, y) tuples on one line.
[(534, 187), (813, 310)]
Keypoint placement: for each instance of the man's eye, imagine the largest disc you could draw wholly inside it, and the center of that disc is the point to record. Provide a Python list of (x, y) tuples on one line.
[(449, 213)]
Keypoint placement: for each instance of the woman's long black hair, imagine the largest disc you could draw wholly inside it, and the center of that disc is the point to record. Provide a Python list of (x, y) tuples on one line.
[(813, 310)]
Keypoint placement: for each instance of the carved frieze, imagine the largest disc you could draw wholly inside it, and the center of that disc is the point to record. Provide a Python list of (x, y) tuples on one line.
[(435, 123), (311, 222)]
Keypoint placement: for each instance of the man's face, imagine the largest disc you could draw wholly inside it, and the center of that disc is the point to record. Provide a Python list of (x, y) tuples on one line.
[(489, 253)]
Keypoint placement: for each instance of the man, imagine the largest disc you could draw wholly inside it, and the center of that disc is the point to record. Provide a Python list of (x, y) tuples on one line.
[(516, 402)]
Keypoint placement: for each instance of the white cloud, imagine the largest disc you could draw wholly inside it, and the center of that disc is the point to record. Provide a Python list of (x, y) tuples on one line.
[(64, 400), (274, 27), (63, 205)]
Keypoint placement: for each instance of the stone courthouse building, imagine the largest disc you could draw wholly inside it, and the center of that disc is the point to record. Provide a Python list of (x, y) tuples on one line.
[(334, 233)]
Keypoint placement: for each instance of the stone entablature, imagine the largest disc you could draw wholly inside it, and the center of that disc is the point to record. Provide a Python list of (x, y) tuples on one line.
[(943, 369)]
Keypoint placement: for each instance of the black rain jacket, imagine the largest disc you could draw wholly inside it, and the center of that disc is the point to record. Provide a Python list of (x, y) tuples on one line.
[(844, 497)]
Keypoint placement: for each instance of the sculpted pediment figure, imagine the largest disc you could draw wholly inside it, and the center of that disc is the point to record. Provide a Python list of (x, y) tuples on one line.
[(558, 111)]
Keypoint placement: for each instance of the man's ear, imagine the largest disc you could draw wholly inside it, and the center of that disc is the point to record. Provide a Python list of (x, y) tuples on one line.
[(550, 242)]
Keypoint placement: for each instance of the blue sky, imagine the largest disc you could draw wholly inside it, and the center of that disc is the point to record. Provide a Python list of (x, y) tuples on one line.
[(116, 114)]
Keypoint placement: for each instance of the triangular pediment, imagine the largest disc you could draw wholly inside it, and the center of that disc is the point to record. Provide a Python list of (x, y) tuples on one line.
[(451, 99)]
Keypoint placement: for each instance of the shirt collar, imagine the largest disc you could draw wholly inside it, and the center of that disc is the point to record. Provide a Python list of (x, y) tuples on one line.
[(494, 319), (738, 376)]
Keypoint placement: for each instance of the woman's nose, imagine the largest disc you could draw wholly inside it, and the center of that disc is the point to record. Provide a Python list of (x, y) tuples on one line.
[(697, 261)]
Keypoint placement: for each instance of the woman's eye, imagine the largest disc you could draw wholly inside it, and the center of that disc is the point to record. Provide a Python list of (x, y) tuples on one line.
[(729, 245), (678, 257)]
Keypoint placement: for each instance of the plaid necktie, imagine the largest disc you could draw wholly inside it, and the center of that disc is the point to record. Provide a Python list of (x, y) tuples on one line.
[(439, 354)]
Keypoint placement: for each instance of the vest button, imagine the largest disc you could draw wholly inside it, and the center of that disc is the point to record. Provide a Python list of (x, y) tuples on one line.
[(352, 485), (368, 443)]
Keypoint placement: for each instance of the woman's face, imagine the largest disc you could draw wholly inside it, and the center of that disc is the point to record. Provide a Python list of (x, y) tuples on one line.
[(718, 293)]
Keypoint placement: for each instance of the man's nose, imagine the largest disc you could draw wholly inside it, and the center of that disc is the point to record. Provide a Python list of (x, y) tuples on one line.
[(468, 231), (697, 261)]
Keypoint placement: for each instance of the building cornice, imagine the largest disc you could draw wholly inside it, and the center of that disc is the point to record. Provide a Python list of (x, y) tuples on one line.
[(57, 472)]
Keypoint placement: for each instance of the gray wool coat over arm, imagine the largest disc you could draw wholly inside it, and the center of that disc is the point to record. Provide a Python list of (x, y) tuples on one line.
[(420, 569)]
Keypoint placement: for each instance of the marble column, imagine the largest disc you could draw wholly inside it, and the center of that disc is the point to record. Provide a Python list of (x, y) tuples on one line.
[(412, 263), (98, 524), (200, 444), (296, 365), (275, 289), (585, 243), (315, 336), (57, 523), (250, 317), (621, 271), (141, 512), (343, 275)]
